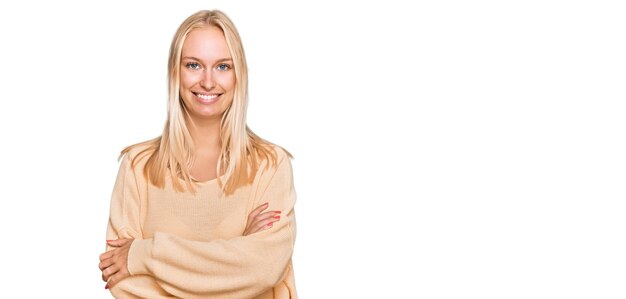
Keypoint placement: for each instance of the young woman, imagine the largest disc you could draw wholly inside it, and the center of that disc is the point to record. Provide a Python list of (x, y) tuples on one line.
[(206, 209)]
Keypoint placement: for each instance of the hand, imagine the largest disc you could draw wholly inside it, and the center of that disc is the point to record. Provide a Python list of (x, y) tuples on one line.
[(258, 221), (114, 263)]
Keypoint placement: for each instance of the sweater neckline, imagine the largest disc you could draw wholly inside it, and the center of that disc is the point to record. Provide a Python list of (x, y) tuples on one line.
[(211, 181)]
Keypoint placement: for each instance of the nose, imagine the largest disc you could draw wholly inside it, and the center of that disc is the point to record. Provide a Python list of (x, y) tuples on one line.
[(207, 81)]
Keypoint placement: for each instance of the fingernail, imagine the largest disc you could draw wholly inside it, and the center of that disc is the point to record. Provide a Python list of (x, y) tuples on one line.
[(277, 217), (267, 203), (270, 225), (106, 287), (277, 212)]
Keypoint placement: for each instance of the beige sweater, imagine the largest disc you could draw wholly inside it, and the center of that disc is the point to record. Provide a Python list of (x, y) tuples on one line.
[(191, 245)]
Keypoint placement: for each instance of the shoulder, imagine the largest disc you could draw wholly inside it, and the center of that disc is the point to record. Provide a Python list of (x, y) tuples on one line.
[(281, 154), (278, 163), (275, 168), (136, 155), (270, 158), (275, 156)]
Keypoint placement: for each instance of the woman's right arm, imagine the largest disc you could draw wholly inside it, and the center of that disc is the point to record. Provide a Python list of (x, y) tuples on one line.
[(125, 211), (125, 223)]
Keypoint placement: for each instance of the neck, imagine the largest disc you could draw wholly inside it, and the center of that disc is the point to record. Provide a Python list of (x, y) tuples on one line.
[(205, 135)]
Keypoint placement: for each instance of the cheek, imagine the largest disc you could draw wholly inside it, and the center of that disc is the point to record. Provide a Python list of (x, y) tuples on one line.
[(187, 79), (228, 81)]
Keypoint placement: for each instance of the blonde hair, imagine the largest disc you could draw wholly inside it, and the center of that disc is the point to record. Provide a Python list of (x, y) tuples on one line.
[(242, 151)]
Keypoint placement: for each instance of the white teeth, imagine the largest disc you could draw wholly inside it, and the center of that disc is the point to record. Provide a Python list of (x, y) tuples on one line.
[(207, 96)]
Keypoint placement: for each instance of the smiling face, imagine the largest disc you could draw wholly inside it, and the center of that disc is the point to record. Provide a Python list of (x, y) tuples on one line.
[(207, 77)]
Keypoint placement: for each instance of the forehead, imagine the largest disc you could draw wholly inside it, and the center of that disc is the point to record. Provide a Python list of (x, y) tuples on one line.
[(207, 43)]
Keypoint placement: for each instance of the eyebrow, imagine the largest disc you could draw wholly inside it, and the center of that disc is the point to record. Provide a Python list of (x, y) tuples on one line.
[(198, 59)]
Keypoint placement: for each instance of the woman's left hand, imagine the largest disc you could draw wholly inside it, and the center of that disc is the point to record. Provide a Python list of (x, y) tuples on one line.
[(114, 263)]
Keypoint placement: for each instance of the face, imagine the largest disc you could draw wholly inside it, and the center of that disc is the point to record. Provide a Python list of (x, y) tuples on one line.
[(207, 77)]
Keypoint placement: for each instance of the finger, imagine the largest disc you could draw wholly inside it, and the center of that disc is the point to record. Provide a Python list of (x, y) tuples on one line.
[(118, 242), (259, 227), (266, 221), (258, 210), (264, 217), (256, 225), (106, 255), (263, 227), (105, 263), (110, 271), (113, 280), (264, 224), (267, 215)]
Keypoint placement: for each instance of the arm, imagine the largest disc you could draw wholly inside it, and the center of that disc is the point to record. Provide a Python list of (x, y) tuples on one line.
[(237, 268), (125, 223), (124, 216)]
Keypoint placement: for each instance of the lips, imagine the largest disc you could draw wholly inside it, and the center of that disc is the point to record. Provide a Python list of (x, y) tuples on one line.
[(207, 98)]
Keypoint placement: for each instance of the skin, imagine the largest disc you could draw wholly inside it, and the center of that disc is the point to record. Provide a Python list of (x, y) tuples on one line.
[(206, 71)]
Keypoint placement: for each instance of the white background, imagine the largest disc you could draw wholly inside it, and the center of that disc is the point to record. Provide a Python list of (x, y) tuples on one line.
[(443, 149)]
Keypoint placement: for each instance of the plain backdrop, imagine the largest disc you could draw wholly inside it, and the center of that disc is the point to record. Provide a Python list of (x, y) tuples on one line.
[(443, 149)]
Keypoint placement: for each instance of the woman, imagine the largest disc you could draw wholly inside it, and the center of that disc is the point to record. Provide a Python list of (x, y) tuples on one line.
[(206, 209)]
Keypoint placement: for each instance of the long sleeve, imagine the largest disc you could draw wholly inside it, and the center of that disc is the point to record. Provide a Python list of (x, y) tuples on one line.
[(242, 267), (125, 222), (124, 217)]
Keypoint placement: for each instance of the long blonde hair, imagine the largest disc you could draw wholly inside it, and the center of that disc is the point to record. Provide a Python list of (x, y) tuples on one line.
[(242, 151)]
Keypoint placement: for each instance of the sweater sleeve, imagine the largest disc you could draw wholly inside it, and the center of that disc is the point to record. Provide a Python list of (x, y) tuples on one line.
[(124, 216), (125, 222), (242, 267)]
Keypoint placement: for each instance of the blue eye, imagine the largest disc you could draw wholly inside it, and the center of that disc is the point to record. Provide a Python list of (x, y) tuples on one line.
[(193, 65), (223, 67)]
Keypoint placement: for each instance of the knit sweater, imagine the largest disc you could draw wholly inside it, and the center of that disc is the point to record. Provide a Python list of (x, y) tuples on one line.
[(191, 245)]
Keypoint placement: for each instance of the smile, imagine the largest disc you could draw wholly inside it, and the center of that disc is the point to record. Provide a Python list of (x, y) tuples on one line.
[(206, 98)]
